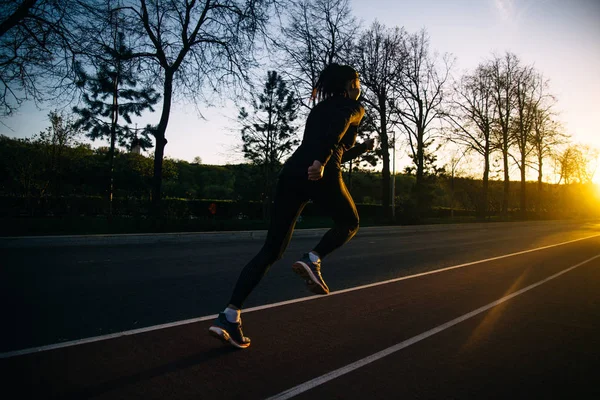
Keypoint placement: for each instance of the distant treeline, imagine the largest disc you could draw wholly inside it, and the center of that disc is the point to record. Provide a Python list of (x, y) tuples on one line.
[(41, 178)]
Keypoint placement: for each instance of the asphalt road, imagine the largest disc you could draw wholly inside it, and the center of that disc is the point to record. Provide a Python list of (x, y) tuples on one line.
[(456, 333)]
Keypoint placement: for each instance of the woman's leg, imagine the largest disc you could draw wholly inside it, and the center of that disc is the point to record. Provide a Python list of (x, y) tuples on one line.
[(290, 198), (335, 200)]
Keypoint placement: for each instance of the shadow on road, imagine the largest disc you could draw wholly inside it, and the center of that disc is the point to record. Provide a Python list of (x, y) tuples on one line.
[(181, 364)]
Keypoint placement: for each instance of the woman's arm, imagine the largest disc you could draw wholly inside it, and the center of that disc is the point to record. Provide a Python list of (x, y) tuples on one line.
[(354, 152), (357, 150)]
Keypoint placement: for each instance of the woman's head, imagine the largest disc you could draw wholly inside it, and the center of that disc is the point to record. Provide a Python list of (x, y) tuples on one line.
[(337, 80)]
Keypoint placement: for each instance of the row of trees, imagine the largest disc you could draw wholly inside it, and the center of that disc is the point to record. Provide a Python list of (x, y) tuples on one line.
[(403, 82), (119, 49), (54, 162), (502, 107), (124, 56)]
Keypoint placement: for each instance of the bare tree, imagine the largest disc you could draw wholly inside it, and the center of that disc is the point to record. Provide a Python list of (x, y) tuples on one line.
[(419, 99), (194, 49), (314, 33), (36, 54), (472, 114), (15, 13), (588, 163), (567, 165), (379, 59), (578, 164), (529, 91), (503, 71), (547, 136)]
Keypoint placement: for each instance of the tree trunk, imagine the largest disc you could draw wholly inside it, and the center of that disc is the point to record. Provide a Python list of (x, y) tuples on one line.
[(483, 207), (538, 205), (161, 142), (452, 195), (269, 164), (523, 197), (20, 14), (506, 177), (420, 184), (385, 147), (113, 138)]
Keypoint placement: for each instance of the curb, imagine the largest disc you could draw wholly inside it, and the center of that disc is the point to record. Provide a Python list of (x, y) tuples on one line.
[(189, 237)]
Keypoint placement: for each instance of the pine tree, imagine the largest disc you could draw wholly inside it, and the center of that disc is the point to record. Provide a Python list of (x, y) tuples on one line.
[(268, 134), (112, 92)]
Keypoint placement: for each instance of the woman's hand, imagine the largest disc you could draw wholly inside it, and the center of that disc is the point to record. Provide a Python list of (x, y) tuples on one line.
[(315, 171)]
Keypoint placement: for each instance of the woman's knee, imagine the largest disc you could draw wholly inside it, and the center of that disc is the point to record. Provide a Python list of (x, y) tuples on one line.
[(354, 228), (351, 226), (270, 255), (355, 221)]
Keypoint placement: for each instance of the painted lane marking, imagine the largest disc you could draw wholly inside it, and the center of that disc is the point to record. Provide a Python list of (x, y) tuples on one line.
[(296, 390), (266, 306)]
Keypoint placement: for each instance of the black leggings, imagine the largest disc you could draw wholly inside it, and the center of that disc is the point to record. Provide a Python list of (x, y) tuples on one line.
[(291, 195)]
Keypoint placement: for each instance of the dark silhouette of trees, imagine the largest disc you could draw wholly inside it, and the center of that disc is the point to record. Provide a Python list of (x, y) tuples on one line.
[(193, 49), (506, 107), (314, 34), (529, 91), (122, 55), (547, 137), (419, 103), (503, 71), (578, 164), (55, 142), (379, 58), (36, 53), (110, 93), (472, 114), (268, 131)]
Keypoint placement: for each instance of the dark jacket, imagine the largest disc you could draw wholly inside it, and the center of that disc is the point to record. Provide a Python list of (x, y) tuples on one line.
[(330, 131)]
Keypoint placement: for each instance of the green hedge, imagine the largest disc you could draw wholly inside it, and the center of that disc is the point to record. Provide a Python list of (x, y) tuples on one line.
[(171, 208), (87, 215), (73, 225)]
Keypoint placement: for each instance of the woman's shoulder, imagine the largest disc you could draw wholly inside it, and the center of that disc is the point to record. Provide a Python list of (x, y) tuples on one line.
[(352, 107)]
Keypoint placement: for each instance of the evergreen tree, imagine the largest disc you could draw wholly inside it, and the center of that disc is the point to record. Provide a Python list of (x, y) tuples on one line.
[(112, 92), (268, 134)]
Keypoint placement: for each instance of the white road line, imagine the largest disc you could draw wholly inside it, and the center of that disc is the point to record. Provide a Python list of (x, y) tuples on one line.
[(415, 339), (266, 306)]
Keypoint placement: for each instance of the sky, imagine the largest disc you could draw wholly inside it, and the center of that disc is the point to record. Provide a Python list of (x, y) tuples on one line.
[(561, 38)]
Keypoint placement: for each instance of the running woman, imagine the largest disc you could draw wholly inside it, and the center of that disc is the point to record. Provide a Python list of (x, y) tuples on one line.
[(313, 172)]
